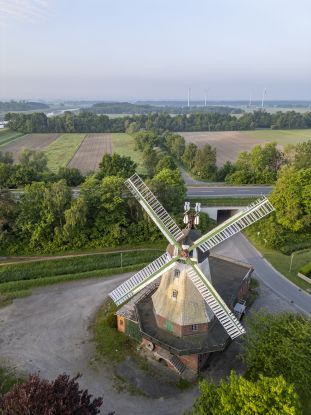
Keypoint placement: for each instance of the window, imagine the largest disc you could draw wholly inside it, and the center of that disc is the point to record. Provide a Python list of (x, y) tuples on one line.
[(194, 327), (174, 294), (176, 273)]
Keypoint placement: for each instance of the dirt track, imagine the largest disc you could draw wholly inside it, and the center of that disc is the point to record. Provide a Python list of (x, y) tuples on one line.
[(228, 144), (91, 151), (31, 141)]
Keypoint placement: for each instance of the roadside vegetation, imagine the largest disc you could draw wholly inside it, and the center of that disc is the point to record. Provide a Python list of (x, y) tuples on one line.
[(17, 280)]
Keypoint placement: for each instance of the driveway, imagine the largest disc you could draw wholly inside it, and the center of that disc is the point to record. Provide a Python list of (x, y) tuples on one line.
[(48, 332)]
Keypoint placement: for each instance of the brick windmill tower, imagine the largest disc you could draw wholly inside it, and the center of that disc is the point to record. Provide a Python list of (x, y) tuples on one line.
[(185, 305)]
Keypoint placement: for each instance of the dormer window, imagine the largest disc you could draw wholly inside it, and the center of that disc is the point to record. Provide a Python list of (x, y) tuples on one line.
[(174, 294), (176, 273)]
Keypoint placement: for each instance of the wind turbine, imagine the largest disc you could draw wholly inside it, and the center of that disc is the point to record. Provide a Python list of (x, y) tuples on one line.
[(188, 256), (264, 93)]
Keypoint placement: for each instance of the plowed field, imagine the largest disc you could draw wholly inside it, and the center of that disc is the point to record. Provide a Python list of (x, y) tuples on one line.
[(229, 144), (31, 141), (91, 151)]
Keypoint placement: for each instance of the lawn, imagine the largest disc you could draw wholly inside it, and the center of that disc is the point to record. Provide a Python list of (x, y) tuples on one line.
[(61, 151), (7, 135), (123, 144), (17, 280), (281, 136), (282, 262)]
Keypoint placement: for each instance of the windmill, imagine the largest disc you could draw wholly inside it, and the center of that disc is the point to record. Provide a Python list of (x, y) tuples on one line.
[(180, 253)]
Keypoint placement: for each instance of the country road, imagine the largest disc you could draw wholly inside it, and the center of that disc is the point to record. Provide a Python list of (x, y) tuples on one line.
[(202, 190), (49, 331), (227, 191)]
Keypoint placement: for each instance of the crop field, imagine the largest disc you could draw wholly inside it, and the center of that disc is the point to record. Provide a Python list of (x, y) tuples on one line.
[(31, 141), (91, 151), (229, 144), (124, 144), (61, 150), (7, 136)]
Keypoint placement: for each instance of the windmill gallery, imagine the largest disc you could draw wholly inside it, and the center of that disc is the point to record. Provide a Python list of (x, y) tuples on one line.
[(186, 304)]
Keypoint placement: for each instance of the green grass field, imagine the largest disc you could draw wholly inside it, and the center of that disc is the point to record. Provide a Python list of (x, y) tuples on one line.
[(123, 144), (7, 135), (61, 151), (281, 136), (17, 280), (282, 262)]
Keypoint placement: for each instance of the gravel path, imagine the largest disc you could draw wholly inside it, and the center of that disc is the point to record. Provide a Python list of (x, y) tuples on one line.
[(49, 332)]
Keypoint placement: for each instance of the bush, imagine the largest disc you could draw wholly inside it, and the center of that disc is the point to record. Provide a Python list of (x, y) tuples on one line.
[(61, 396), (306, 270)]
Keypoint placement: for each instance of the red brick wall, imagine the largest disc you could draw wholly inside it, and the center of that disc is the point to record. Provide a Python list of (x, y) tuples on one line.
[(187, 330), (190, 361)]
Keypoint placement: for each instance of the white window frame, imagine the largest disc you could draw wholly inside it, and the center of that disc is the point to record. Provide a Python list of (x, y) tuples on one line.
[(194, 327), (174, 294)]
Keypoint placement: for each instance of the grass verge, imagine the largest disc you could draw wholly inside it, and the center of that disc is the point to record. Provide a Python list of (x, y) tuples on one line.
[(124, 144), (223, 201), (60, 152), (8, 379), (282, 262)]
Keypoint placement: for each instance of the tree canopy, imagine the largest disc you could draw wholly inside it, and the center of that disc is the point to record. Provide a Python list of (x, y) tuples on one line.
[(116, 165), (61, 396), (237, 395), (279, 345)]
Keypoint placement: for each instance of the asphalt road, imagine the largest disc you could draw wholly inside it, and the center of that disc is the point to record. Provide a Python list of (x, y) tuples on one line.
[(227, 191), (49, 331)]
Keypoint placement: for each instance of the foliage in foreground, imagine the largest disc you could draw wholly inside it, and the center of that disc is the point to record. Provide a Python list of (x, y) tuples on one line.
[(61, 396), (280, 345), (237, 395)]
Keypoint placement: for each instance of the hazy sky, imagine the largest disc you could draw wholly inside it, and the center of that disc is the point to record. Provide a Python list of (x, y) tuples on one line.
[(143, 49)]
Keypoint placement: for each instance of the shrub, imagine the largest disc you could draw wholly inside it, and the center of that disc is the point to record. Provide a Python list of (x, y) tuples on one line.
[(61, 396), (306, 270)]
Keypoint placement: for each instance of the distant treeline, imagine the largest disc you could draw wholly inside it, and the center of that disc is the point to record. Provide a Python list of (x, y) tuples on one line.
[(128, 108), (22, 106), (87, 122)]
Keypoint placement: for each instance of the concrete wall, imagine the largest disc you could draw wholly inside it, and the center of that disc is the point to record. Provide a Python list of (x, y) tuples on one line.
[(213, 211)]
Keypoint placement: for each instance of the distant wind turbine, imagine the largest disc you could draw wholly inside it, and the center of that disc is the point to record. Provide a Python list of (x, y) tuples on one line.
[(264, 93), (189, 90)]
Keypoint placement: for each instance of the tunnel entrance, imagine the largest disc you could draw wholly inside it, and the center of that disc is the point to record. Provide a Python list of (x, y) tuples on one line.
[(224, 214)]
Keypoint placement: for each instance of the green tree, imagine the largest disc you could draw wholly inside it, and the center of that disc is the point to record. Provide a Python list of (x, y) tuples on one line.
[(170, 188), (75, 232), (188, 157), (150, 159), (107, 220), (35, 160), (279, 345), (72, 176), (6, 157), (292, 199), (205, 163), (165, 162), (302, 158), (116, 165), (8, 213), (237, 395)]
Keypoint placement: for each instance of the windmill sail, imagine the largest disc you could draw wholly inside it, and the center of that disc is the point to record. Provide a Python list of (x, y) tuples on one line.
[(253, 213), (226, 318), (153, 207), (142, 278)]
